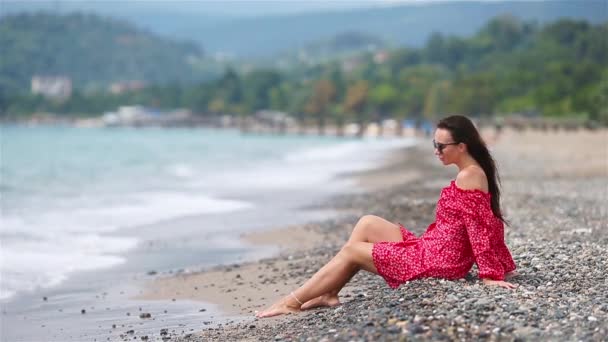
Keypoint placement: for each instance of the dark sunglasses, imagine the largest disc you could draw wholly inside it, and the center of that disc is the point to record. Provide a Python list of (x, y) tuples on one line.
[(440, 146)]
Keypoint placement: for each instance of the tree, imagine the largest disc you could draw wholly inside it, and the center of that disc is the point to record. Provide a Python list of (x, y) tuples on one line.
[(435, 51), (435, 103), (383, 99), (229, 88), (324, 92), (473, 94), (257, 86), (505, 32), (279, 96), (356, 102), (416, 82)]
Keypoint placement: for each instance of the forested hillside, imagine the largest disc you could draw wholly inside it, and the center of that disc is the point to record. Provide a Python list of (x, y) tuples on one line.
[(90, 50), (509, 66)]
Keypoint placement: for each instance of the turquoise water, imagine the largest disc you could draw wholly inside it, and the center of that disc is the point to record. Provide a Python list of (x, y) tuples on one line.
[(67, 192), (43, 167)]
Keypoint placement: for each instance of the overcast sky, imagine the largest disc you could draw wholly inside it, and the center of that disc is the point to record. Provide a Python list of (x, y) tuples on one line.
[(209, 7)]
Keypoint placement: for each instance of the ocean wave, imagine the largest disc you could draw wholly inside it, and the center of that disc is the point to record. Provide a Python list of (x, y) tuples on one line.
[(181, 170), (39, 251), (308, 167), (360, 150), (31, 264)]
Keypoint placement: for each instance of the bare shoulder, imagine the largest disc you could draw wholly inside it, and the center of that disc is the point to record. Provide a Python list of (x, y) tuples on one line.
[(472, 178)]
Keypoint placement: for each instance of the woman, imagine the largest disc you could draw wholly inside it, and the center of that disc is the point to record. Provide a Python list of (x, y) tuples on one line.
[(468, 229)]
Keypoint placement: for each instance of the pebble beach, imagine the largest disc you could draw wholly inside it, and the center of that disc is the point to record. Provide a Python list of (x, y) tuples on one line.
[(554, 195)]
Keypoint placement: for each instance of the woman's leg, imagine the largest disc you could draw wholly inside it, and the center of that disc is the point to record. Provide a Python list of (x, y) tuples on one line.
[(371, 229), (374, 229), (353, 256)]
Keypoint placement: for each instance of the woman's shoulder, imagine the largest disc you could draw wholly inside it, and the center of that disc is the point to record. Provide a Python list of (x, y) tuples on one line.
[(472, 178)]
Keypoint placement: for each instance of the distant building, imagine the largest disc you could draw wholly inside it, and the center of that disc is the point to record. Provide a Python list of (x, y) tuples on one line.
[(126, 115), (55, 87), (140, 116), (349, 65), (121, 87), (274, 117), (381, 57)]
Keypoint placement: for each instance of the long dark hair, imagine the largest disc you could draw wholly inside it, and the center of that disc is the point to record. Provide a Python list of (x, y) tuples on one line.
[(463, 131)]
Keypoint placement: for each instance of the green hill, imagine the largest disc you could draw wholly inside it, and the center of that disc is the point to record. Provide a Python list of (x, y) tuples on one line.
[(509, 66), (255, 30), (91, 50)]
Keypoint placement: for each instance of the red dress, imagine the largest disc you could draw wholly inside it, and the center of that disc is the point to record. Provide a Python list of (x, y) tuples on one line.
[(465, 231)]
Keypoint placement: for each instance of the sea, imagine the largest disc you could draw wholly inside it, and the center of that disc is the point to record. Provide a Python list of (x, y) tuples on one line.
[(89, 212)]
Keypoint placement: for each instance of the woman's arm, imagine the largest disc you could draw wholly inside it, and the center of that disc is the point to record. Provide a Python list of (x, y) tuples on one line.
[(489, 260)]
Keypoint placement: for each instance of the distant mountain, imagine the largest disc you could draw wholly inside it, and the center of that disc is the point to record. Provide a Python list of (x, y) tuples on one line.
[(345, 42), (90, 50), (248, 34), (137, 40), (340, 45), (409, 25), (406, 24), (205, 8)]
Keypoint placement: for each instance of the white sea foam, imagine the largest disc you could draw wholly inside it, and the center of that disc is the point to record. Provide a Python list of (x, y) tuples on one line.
[(66, 200), (29, 264), (40, 251), (131, 210), (308, 167), (181, 170)]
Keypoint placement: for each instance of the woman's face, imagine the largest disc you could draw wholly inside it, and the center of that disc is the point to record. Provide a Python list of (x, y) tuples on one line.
[(446, 148)]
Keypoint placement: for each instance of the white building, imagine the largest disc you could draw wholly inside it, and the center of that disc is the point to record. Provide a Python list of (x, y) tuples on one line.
[(59, 87), (122, 87)]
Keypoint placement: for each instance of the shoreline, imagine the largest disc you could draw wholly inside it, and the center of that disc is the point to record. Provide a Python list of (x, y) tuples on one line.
[(162, 250), (412, 203), (249, 279), (240, 289), (553, 187)]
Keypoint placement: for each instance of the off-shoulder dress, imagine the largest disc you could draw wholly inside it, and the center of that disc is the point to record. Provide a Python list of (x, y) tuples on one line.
[(465, 231)]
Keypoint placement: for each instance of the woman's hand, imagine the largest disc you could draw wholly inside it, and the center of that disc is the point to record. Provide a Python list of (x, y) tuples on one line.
[(500, 283)]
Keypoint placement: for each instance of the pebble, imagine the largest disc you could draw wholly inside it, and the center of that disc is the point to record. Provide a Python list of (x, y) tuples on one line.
[(562, 292)]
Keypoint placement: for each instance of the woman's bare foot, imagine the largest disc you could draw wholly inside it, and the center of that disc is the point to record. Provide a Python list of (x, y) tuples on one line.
[(283, 307), (321, 301), (511, 274)]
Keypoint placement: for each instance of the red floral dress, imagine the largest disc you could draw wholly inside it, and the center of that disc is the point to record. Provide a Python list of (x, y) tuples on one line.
[(465, 231)]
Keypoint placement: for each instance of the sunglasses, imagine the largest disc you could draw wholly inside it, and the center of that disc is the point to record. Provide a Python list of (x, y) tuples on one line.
[(440, 146)]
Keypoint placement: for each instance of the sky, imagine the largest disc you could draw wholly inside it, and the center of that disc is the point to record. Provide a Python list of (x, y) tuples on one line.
[(237, 8)]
